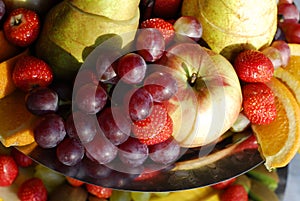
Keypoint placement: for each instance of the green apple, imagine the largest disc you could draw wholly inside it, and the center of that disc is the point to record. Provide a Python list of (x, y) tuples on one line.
[(234, 22)]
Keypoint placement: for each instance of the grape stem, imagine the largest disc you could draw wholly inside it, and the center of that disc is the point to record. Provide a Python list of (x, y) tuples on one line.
[(62, 102)]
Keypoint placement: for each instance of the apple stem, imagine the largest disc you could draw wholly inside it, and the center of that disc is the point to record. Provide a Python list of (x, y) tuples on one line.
[(193, 79)]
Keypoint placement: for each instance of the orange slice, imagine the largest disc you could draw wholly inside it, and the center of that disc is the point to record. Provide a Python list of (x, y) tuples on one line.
[(7, 50), (16, 122), (290, 75), (280, 140), (6, 83)]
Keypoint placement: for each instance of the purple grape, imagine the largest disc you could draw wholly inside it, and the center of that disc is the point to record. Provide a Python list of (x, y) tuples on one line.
[(150, 44), (42, 101), (94, 169), (114, 124), (162, 86), (70, 151), (91, 98), (50, 131), (86, 76), (140, 104), (131, 68), (2, 9), (133, 153), (165, 152), (106, 64), (189, 26), (101, 149), (279, 35), (81, 126)]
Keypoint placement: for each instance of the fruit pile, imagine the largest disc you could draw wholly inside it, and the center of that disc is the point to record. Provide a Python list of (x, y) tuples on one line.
[(131, 102)]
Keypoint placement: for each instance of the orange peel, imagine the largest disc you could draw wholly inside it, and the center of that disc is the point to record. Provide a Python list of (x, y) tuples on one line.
[(280, 140), (16, 122)]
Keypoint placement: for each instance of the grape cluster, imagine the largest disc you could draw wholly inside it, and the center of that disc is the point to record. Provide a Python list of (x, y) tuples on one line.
[(115, 111), (288, 22)]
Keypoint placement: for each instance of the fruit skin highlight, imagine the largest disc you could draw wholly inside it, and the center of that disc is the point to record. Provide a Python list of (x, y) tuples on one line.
[(233, 23)]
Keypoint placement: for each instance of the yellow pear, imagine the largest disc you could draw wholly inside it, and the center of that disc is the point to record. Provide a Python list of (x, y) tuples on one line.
[(70, 33), (233, 22), (113, 9)]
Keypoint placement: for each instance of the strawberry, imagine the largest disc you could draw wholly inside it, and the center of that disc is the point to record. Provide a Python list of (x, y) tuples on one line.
[(30, 72), (253, 66), (167, 9), (224, 184), (258, 103), (74, 182), (22, 27), (98, 191), (33, 189), (156, 128), (163, 26), (21, 159), (8, 170), (235, 193)]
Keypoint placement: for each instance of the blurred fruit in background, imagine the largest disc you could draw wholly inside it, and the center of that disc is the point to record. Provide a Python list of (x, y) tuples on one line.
[(2, 9)]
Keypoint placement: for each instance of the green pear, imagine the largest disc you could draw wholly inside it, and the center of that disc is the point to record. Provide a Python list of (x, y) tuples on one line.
[(69, 34), (234, 22)]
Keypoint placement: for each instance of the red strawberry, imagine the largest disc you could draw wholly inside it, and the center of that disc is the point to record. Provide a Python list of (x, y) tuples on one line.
[(253, 66), (8, 170), (258, 103), (33, 189), (74, 182), (21, 159), (163, 26), (156, 128), (166, 9), (234, 193), (22, 27), (224, 184), (30, 72), (99, 191)]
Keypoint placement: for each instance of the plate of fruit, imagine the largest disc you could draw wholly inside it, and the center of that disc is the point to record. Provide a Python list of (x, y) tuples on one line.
[(144, 96)]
